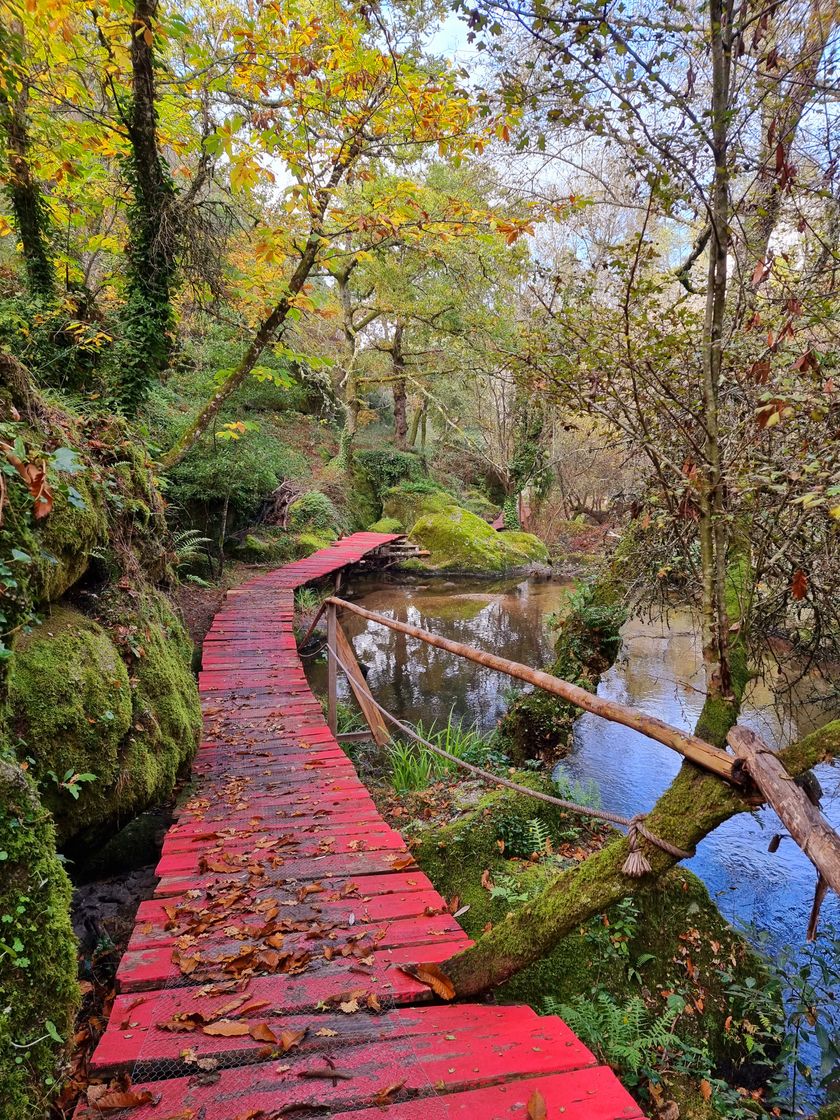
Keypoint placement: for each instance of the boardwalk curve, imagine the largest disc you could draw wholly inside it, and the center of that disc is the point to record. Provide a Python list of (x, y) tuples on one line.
[(263, 979)]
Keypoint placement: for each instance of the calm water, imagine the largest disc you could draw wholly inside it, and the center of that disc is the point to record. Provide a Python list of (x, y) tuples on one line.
[(659, 670)]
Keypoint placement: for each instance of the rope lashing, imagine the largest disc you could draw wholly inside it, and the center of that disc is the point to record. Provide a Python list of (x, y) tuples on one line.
[(636, 865)]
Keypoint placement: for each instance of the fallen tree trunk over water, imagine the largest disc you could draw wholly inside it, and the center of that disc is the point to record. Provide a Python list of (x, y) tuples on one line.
[(694, 805)]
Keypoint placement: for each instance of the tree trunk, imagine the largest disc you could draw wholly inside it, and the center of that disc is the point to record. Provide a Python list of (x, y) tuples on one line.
[(273, 322), (693, 806), (712, 526), (400, 397), (153, 236), (415, 425), (28, 205)]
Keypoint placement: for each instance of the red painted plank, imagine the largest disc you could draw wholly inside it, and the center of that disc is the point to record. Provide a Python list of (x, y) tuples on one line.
[(422, 1064)]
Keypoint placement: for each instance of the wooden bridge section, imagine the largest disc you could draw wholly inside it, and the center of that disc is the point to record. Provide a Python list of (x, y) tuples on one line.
[(263, 980)]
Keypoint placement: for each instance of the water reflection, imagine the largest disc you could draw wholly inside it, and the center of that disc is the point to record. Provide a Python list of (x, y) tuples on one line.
[(660, 671), (415, 681)]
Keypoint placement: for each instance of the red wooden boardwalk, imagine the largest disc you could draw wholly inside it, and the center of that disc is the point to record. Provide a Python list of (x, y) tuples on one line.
[(263, 980)]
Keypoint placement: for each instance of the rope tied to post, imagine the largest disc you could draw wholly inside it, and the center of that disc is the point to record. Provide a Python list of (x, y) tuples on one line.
[(636, 865)]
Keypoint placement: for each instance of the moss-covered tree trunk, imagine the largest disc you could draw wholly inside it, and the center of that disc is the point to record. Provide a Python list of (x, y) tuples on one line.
[(28, 205), (400, 395), (153, 227)]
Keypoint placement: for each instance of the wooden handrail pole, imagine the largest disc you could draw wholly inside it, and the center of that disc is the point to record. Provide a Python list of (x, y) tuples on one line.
[(332, 668), (354, 675), (688, 745), (795, 810)]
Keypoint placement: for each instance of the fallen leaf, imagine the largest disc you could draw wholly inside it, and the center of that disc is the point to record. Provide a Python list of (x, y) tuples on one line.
[(705, 1089), (433, 977), (226, 1028), (326, 1032), (112, 1101), (536, 1106), (262, 1032), (383, 1096), (289, 1039)]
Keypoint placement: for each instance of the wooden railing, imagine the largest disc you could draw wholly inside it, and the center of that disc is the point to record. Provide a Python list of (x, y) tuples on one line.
[(753, 768)]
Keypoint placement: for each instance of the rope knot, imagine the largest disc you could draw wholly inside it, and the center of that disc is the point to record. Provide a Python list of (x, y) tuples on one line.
[(636, 865)]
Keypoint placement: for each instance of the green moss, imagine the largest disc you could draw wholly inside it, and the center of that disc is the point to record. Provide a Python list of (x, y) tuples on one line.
[(387, 525), (67, 537), (38, 957), (480, 504), (375, 472), (409, 502), (75, 706), (314, 513), (69, 702), (263, 548), (531, 547), (458, 541)]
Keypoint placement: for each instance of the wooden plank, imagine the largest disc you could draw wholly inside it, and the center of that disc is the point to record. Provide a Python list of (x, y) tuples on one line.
[(358, 683), (280, 840)]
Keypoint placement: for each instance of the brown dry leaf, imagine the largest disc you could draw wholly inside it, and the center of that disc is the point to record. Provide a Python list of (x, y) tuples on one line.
[(113, 1100), (536, 1106), (486, 880), (262, 1032), (349, 1006), (433, 977), (402, 863), (289, 1039), (226, 1028), (326, 1032), (705, 1089), (373, 1003), (382, 1098)]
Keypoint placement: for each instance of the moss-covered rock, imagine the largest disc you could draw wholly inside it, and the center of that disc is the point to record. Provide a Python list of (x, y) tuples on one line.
[(81, 704), (313, 512), (459, 541), (387, 525), (480, 504), (37, 948), (531, 547), (408, 502)]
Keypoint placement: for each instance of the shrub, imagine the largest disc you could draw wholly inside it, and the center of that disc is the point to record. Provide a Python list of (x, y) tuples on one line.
[(314, 512)]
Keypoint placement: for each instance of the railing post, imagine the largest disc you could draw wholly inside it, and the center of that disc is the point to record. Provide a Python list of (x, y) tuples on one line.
[(332, 669)]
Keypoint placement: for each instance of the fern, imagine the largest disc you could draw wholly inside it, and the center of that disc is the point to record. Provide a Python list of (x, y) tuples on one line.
[(188, 545), (627, 1036), (538, 835)]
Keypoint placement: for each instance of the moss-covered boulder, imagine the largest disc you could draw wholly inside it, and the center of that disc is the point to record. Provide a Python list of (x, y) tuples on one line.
[(315, 513), (272, 546), (411, 500), (80, 704), (387, 525), (459, 541), (38, 990)]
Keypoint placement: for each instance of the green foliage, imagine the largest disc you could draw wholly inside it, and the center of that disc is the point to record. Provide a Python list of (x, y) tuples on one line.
[(414, 767), (627, 1036), (313, 512), (241, 473)]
